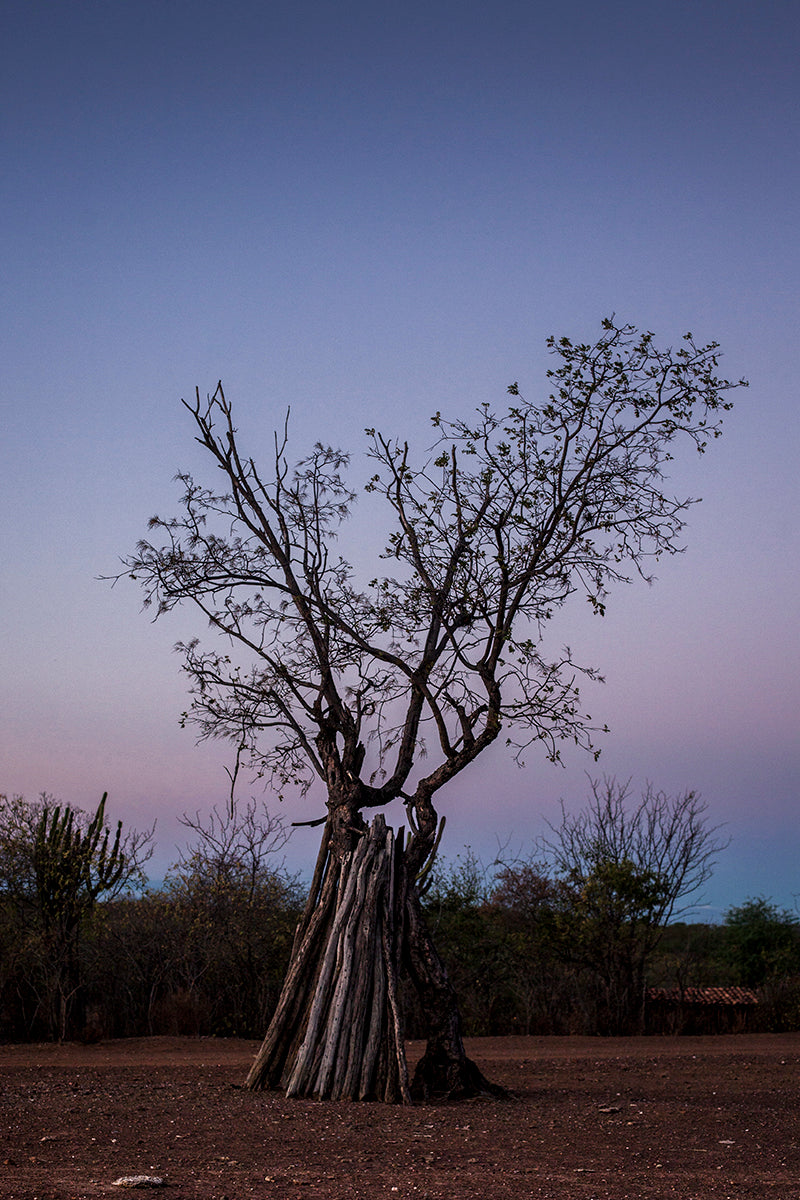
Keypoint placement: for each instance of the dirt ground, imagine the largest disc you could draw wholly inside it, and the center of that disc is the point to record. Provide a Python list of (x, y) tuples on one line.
[(591, 1119)]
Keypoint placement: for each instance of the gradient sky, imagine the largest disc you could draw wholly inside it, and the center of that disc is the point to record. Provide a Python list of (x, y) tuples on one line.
[(369, 212)]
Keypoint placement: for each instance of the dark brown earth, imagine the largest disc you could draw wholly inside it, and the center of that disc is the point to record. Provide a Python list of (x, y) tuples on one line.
[(611, 1119)]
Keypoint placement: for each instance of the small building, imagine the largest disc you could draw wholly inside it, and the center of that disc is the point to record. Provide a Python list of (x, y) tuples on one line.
[(700, 1010)]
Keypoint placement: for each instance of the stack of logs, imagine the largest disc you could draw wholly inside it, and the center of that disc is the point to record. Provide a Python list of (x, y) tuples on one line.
[(338, 1018)]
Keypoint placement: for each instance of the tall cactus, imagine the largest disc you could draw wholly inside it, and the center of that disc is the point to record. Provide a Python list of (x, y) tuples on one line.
[(73, 865)]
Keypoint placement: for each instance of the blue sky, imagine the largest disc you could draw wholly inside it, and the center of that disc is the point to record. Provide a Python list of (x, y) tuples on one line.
[(369, 213)]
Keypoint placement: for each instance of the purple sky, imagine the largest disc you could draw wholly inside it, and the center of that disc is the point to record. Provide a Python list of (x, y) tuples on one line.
[(370, 213)]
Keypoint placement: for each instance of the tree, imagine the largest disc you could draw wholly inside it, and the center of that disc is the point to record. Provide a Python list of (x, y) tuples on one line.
[(629, 867), (469, 937), (392, 687), (534, 910), (73, 865), (19, 819), (762, 941), (241, 908)]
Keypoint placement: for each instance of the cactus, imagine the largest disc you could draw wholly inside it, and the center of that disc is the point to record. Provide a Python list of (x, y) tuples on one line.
[(73, 865)]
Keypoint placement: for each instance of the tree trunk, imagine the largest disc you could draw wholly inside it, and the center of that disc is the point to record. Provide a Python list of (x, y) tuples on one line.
[(337, 1031)]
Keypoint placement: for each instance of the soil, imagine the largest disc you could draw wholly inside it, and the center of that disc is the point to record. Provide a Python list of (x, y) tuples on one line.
[(590, 1119)]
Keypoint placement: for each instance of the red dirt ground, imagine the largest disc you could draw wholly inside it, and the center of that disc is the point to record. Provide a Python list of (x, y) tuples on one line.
[(612, 1119)]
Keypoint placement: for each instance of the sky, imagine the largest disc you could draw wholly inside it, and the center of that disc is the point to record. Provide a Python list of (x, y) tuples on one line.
[(366, 213)]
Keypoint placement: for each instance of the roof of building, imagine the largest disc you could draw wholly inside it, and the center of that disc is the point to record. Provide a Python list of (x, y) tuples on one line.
[(704, 995)]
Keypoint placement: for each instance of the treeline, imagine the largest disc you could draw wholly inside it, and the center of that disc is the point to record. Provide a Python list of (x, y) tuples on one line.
[(529, 954), (568, 944), (202, 954)]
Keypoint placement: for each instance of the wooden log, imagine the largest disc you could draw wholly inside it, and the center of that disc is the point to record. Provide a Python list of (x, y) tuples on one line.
[(299, 1077), (268, 1068), (367, 1080), (391, 954), (338, 1028), (358, 1019), (337, 1007)]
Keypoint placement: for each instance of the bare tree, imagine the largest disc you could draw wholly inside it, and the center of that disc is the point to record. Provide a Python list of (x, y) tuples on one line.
[(240, 906), (631, 867), (391, 687), (237, 849)]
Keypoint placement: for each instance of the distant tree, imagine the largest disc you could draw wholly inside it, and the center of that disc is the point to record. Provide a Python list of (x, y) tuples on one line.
[(135, 951), (690, 954), (470, 938), (390, 687), (629, 866), (241, 907), (762, 941), (19, 819), (533, 910)]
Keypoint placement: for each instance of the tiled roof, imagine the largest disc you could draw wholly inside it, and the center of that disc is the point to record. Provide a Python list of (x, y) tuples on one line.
[(704, 995)]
